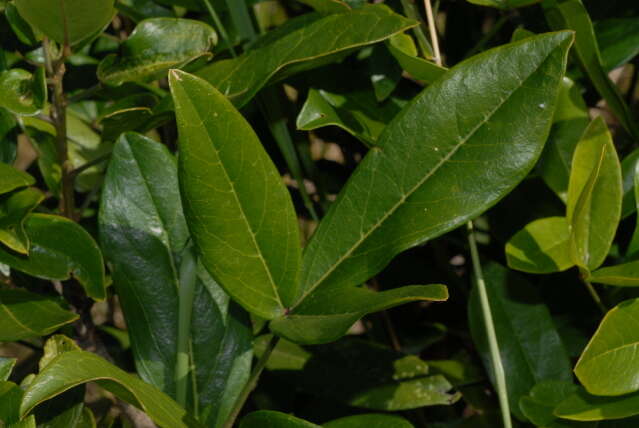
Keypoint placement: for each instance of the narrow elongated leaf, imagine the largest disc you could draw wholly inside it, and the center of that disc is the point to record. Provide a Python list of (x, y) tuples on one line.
[(633, 246), (19, 26), (619, 41), (628, 172), (327, 315), (273, 419), (238, 210), (11, 178), (448, 155), (60, 248), (302, 43), (538, 406), (543, 246), (372, 420), (530, 347), (74, 368), (569, 123), (155, 46), (67, 20), (14, 209), (18, 321), (571, 15), (624, 275), (21, 92), (582, 406), (610, 364), (594, 196), (143, 233)]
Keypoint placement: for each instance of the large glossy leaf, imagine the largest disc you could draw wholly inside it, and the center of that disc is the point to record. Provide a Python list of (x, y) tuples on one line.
[(359, 374), (238, 210), (13, 212), (582, 406), (610, 363), (273, 419), (143, 233), (18, 321), (594, 196), (60, 248), (571, 15), (530, 347), (543, 246), (306, 42), (67, 20), (11, 178), (569, 123), (372, 420), (434, 165), (74, 368), (21, 92), (623, 275), (155, 46)]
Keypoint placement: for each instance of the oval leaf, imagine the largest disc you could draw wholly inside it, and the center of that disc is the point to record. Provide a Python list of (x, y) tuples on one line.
[(238, 210), (543, 246), (11, 178), (155, 46), (14, 209), (594, 196), (60, 247), (582, 406), (21, 92), (67, 20), (610, 363)]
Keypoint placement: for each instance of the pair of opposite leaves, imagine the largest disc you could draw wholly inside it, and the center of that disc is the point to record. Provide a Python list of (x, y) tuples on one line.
[(455, 150)]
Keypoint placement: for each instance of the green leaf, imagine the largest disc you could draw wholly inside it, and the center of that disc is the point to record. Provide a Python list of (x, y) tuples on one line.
[(358, 373), (530, 347), (539, 404), (571, 15), (633, 246), (6, 367), (629, 175), (327, 6), (67, 20), (11, 178), (582, 406), (273, 419), (624, 275), (328, 314), (610, 364), (143, 233), (18, 321), (14, 209), (594, 196), (59, 248), (403, 48), (569, 123), (10, 396), (254, 253), (504, 4), (74, 368), (356, 112), (619, 41), (19, 26), (542, 246), (300, 44), (433, 167), (21, 92), (385, 74), (127, 114), (156, 45), (372, 420)]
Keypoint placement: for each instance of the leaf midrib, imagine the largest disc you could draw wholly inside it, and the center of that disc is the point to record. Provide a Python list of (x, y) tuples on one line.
[(390, 212)]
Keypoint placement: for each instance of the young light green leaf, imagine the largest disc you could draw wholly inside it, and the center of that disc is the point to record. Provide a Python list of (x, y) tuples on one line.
[(610, 363), (594, 196), (569, 123), (11, 178), (328, 314), (238, 210), (530, 347), (448, 155), (300, 44), (74, 368), (403, 48), (542, 246), (371, 420), (582, 406), (155, 46), (60, 248), (538, 406), (69, 21), (624, 275), (14, 209), (273, 419), (571, 15), (18, 321), (21, 92), (143, 233)]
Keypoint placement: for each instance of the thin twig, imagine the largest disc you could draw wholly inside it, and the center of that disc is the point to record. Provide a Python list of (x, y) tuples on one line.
[(595, 296), (433, 32)]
